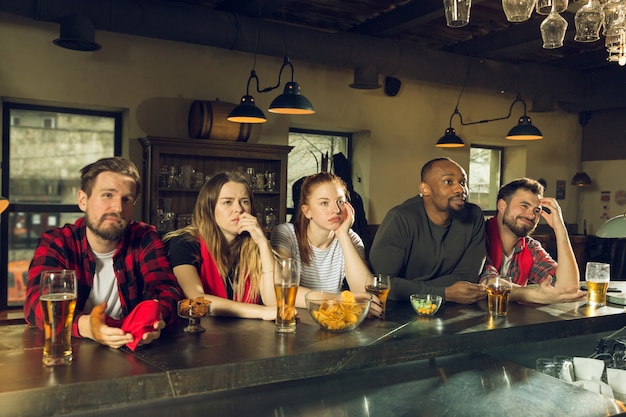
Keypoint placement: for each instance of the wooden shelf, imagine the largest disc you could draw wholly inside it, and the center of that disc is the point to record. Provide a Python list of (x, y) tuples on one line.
[(209, 157)]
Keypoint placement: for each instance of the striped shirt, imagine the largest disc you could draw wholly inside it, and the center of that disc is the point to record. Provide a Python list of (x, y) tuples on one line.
[(326, 271)]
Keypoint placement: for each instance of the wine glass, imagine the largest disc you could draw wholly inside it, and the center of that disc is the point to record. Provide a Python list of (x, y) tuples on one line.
[(193, 310)]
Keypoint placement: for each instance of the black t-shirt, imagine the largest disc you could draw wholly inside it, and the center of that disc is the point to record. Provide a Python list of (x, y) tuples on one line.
[(185, 251)]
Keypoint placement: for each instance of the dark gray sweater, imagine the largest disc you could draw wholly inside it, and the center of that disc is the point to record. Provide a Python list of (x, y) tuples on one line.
[(422, 257)]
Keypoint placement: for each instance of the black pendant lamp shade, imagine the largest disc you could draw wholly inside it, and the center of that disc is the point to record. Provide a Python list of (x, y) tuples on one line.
[(450, 140), (247, 111), (581, 179), (77, 33), (524, 130), (291, 101)]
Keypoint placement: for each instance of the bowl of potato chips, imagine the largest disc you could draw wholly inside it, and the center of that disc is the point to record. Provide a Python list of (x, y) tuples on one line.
[(338, 312)]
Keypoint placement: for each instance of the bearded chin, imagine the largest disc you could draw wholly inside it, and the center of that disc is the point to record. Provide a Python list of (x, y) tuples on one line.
[(519, 231), (113, 234)]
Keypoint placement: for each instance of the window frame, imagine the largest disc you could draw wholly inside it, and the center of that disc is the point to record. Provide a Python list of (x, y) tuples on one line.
[(500, 168), (348, 135), (7, 106)]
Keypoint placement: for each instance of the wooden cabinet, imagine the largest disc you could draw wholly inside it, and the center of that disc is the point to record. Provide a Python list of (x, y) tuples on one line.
[(174, 170)]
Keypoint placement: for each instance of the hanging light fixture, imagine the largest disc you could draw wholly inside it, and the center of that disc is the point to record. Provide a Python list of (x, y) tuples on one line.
[(450, 139), (290, 102), (524, 130), (77, 33), (247, 111), (581, 179)]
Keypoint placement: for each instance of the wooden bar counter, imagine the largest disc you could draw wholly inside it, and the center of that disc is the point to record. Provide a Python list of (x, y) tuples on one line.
[(237, 362)]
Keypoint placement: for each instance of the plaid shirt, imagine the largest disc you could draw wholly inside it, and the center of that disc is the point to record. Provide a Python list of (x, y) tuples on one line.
[(142, 269), (543, 264)]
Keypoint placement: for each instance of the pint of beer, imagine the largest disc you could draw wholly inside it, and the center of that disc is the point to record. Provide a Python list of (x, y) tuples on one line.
[(57, 300), (286, 282), (498, 290), (597, 276)]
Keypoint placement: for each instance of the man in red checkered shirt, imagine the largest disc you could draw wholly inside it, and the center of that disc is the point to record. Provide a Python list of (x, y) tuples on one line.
[(118, 262), (512, 252)]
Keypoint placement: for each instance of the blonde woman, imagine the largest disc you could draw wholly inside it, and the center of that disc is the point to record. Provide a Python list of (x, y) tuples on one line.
[(224, 255)]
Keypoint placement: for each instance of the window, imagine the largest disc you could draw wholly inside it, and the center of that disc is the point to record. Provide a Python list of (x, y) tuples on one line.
[(485, 168), (312, 152), (47, 147)]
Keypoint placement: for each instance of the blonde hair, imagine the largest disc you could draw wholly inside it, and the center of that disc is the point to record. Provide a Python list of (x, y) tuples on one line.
[(242, 252)]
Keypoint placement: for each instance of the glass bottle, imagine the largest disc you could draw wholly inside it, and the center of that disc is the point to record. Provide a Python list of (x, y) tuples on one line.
[(269, 218)]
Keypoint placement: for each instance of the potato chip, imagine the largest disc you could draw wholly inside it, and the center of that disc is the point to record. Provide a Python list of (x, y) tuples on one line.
[(347, 296)]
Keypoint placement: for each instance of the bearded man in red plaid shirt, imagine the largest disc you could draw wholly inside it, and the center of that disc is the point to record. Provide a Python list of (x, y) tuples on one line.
[(511, 252), (119, 263)]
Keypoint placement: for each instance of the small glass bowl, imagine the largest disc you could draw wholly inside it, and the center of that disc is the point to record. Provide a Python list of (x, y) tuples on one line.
[(425, 304)]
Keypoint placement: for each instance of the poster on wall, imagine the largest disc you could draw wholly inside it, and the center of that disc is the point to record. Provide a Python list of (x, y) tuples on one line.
[(605, 199), (560, 189)]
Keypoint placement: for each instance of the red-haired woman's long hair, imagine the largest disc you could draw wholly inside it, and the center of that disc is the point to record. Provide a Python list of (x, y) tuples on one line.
[(301, 223)]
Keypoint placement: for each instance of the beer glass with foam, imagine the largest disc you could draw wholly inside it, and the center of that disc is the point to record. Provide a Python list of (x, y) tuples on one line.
[(597, 276), (286, 282), (498, 290), (57, 299)]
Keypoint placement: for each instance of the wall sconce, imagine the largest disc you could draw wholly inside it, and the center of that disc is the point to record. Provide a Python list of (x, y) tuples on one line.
[(290, 102), (581, 179), (523, 131), (4, 203)]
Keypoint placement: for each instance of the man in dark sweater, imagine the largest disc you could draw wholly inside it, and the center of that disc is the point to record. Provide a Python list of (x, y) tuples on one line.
[(434, 242)]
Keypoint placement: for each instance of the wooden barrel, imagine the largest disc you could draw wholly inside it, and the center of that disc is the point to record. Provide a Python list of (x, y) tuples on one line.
[(207, 120)]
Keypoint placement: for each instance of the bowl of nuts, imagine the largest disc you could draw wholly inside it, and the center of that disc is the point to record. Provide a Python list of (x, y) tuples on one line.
[(194, 310), (425, 304)]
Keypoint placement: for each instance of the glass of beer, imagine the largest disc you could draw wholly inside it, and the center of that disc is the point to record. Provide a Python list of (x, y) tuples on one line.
[(286, 282), (57, 299), (498, 290), (378, 285), (597, 276)]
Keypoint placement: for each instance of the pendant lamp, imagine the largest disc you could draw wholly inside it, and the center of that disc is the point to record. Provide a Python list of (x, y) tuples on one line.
[(581, 179), (247, 111)]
